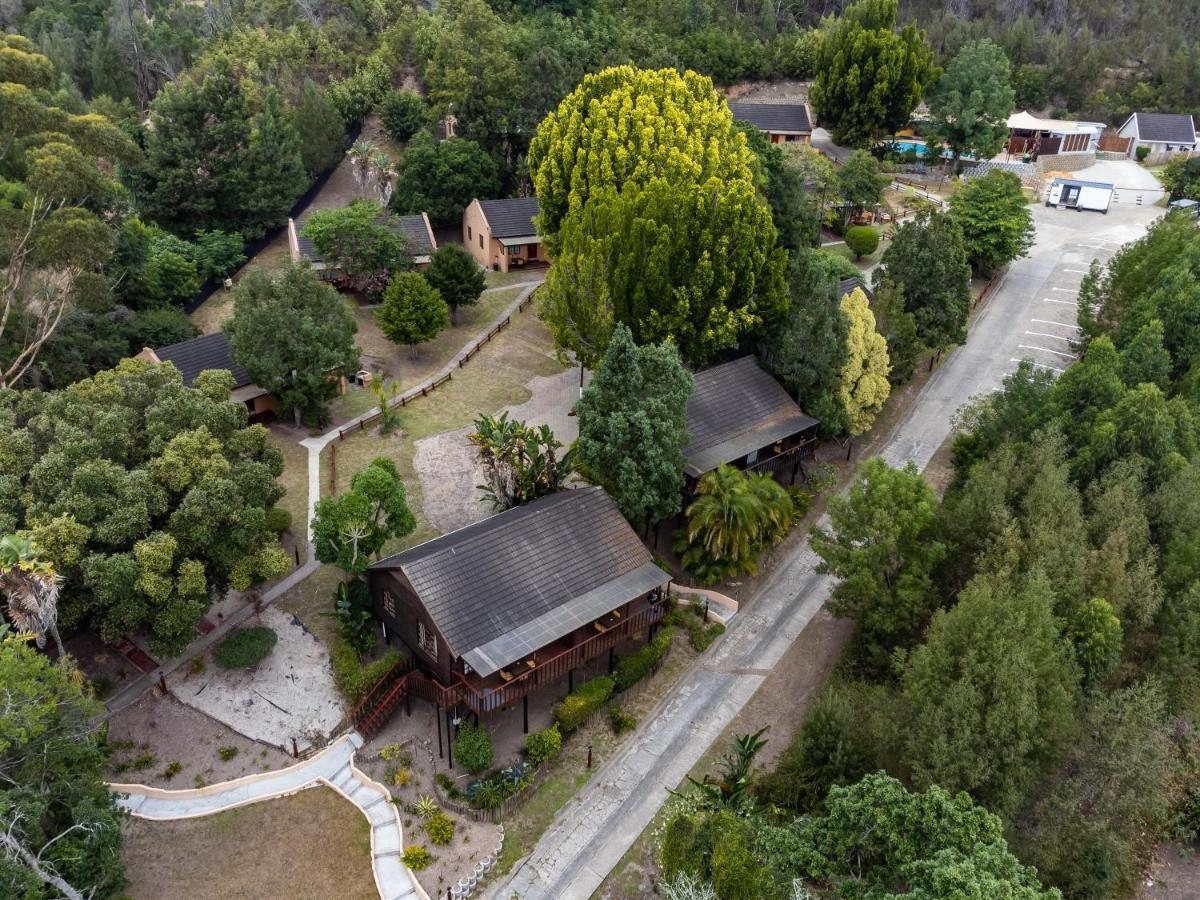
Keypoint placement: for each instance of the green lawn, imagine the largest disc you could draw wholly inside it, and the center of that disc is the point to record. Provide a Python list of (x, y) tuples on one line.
[(295, 482)]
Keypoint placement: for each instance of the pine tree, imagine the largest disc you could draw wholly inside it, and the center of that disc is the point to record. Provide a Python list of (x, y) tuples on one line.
[(321, 129), (455, 274), (631, 427), (274, 168)]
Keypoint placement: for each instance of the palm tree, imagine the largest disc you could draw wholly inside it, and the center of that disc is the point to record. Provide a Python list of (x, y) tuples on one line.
[(775, 510), (360, 160), (31, 585), (383, 174), (723, 519)]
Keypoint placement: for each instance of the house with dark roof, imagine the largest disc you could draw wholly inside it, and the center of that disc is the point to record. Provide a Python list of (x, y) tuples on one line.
[(739, 415), (781, 122), (211, 351), (519, 601), (1166, 134), (501, 234), (416, 231), (855, 283)]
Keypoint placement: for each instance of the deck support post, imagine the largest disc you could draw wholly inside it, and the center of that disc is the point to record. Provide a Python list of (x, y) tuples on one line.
[(437, 718), (525, 714), (449, 739), (570, 681), (612, 659), (407, 704), (795, 469)]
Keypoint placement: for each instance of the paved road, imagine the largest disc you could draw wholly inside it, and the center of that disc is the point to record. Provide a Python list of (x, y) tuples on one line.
[(593, 832)]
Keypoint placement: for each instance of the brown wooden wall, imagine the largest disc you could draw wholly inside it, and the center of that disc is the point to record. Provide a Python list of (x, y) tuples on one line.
[(408, 611)]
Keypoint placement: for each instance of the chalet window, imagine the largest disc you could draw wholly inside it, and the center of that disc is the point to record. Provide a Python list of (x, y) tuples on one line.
[(389, 604), (751, 457), (470, 236), (514, 250), (427, 640), (481, 241)]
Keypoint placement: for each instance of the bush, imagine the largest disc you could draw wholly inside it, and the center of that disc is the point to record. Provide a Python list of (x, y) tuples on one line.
[(403, 114), (700, 633), (447, 784), (279, 520), (1142, 152), (632, 669), (575, 709), (473, 749), (416, 857), (863, 240), (426, 806), (245, 648), (352, 610), (620, 720), (227, 753), (440, 828), (354, 679), (543, 746), (173, 768)]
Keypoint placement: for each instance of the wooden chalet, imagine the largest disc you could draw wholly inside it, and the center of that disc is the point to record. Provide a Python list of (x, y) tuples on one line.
[(739, 415), (212, 351), (416, 231), (505, 606)]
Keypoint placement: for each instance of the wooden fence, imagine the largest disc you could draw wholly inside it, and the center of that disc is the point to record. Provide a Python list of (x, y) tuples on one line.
[(430, 386)]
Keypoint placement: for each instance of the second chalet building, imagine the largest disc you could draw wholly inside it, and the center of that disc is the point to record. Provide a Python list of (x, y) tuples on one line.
[(782, 123), (518, 601), (502, 234)]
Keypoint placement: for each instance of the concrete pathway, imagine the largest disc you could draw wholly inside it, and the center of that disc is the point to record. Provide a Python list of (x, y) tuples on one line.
[(591, 835), (334, 768)]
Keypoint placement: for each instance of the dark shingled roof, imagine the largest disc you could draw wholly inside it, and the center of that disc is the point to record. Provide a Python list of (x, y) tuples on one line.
[(847, 286), (512, 217), (776, 117), (501, 588), (211, 351), (734, 409), (417, 239), (1166, 128)]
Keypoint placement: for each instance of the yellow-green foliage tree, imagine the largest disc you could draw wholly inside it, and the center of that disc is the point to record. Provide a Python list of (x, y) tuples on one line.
[(865, 385), (649, 209)]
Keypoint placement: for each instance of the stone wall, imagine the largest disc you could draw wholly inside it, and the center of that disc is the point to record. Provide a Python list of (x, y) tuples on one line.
[(1065, 162)]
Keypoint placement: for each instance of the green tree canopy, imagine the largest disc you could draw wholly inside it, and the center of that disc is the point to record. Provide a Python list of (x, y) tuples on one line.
[(403, 114), (351, 528), (882, 546), (861, 182), (149, 498), (62, 825), (413, 311), (454, 273), (972, 101), (631, 427), (649, 208), (362, 240), (321, 130), (869, 77), (441, 178), (780, 178), (864, 384), (928, 260), (993, 214), (293, 335)]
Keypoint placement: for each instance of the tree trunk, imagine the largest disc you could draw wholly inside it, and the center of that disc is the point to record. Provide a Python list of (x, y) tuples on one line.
[(58, 644)]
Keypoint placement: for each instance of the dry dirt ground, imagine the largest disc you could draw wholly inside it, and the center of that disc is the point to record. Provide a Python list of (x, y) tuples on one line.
[(1173, 876), (311, 846), (769, 92), (158, 730), (446, 463)]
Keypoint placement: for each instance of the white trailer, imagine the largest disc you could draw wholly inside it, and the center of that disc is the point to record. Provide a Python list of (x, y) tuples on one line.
[(1074, 194)]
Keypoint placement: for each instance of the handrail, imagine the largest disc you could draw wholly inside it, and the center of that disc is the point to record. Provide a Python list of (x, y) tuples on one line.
[(404, 663)]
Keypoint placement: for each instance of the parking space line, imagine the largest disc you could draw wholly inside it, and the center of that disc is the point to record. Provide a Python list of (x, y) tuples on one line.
[(1066, 290), (1064, 302), (1077, 271), (1045, 350), (1052, 322), (1038, 365), (1057, 337)]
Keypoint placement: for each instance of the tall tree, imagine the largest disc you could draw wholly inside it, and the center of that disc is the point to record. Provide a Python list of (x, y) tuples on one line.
[(861, 182), (62, 826), (412, 311), (882, 547), (972, 101), (989, 695), (864, 382), (294, 336), (652, 216), (363, 241), (928, 260), (994, 217), (781, 181), (321, 129), (275, 167), (899, 329), (403, 114), (441, 178), (31, 586), (454, 273), (631, 427), (352, 527), (869, 78), (147, 497)]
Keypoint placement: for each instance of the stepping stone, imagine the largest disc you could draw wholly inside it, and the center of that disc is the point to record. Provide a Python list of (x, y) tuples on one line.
[(387, 839)]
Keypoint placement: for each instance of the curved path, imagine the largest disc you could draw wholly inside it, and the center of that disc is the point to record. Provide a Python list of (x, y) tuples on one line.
[(333, 767)]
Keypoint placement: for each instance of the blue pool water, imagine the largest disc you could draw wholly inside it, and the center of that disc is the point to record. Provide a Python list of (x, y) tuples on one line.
[(919, 149)]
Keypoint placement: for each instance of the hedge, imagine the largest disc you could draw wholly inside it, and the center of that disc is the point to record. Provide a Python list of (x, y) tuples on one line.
[(473, 749), (543, 746), (354, 679), (576, 708), (245, 647), (632, 669)]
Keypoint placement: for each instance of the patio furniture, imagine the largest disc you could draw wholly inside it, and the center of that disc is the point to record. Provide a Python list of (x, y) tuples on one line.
[(505, 675)]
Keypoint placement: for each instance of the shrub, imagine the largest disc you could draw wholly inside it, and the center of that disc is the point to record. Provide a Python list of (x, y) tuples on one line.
[(489, 793), (279, 520), (620, 720), (473, 749), (354, 679), (863, 240), (700, 633), (245, 648), (416, 857), (440, 828), (575, 709), (173, 769), (447, 784), (426, 806), (1142, 152), (351, 609), (401, 776), (227, 753), (632, 669), (196, 667), (403, 114), (144, 761), (395, 753), (543, 746)]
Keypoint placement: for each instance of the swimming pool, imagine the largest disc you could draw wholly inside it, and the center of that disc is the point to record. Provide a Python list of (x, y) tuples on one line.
[(918, 149)]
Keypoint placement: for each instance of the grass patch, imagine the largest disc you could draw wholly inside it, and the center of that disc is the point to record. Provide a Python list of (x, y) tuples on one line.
[(295, 482), (311, 601), (516, 276)]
